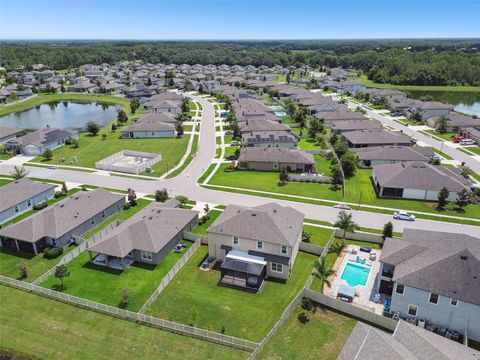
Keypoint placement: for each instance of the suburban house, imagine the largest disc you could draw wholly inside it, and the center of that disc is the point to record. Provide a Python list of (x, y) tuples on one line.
[(22, 195), (59, 224), (275, 159), (433, 277), (36, 142), (408, 342), (378, 155), (330, 117), (85, 86), (341, 126), (253, 125), (455, 121), (146, 237), (154, 125), (7, 134), (254, 243), (366, 138), (428, 109), (417, 180), (281, 139)]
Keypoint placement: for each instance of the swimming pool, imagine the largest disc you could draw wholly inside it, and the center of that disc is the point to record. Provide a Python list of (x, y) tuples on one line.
[(355, 274), (280, 113), (277, 108)]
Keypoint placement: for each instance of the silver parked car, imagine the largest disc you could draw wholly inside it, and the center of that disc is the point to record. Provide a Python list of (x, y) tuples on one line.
[(403, 215)]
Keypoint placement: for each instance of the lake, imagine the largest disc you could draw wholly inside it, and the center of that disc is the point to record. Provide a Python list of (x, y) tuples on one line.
[(61, 115), (464, 102)]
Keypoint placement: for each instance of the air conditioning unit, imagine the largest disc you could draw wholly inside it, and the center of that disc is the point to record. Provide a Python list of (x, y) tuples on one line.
[(421, 323)]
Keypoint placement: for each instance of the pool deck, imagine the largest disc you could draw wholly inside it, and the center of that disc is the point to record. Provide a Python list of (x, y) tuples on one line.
[(363, 294)]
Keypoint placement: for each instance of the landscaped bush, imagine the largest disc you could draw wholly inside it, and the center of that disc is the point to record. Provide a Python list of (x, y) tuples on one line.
[(52, 253), (203, 219), (303, 317), (58, 194), (126, 206), (40, 206)]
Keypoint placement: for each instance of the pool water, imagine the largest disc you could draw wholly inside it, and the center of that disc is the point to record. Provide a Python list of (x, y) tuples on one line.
[(277, 108), (355, 274), (280, 113)]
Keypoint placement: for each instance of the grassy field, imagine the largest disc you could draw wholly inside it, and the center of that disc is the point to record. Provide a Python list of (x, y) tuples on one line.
[(474, 149), (321, 338), (318, 236), (359, 189), (209, 170), (193, 297), (105, 285), (193, 153), (47, 329), (93, 148), (308, 144), (368, 83)]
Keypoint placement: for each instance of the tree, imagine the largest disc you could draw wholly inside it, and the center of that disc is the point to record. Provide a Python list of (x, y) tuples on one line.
[(47, 155), (92, 128), (122, 116), (345, 223), (132, 197), (13, 96), (283, 177), (442, 198), (182, 199), (179, 129), (185, 105), (22, 269), (315, 127), (124, 294), (340, 148), (161, 195), (19, 172), (300, 117), (337, 178), (134, 105), (291, 108), (114, 127), (64, 190), (387, 230), (463, 198), (333, 139), (442, 125), (322, 272), (349, 163), (61, 272)]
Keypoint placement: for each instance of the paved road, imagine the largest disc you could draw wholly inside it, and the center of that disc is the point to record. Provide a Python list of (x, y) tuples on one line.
[(185, 184)]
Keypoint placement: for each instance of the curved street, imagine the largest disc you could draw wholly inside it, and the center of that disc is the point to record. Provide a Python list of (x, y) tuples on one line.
[(186, 184)]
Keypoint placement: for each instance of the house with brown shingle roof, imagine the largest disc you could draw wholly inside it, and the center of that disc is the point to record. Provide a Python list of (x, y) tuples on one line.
[(254, 243), (275, 159)]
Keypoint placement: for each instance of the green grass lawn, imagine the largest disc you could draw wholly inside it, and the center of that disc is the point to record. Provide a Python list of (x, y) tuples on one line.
[(193, 297), (407, 122), (322, 165), (209, 170), (93, 148), (308, 144), (104, 285), (47, 329), (318, 236), (445, 136), (321, 338), (202, 229), (474, 149), (193, 153), (230, 150), (5, 181)]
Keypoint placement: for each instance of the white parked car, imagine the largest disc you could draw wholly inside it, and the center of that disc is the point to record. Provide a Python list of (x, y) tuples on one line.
[(403, 215), (234, 143), (467, 142)]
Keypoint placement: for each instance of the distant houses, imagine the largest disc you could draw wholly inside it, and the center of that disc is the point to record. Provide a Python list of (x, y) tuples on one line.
[(154, 125)]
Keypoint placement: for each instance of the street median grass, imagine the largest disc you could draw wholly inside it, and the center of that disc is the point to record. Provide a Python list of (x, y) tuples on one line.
[(191, 155), (62, 331), (194, 297), (205, 175)]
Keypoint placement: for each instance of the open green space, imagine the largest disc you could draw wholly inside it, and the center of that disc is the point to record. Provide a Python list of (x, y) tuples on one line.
[(63, 331), (308, 144), (321, 338), (209, 170), (201, 229), (105, 285), (194, 297), (359, 190), (191, 155)]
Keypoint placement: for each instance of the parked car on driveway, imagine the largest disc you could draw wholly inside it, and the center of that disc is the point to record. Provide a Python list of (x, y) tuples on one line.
[(467, 142), (403, 215), (458, 139)]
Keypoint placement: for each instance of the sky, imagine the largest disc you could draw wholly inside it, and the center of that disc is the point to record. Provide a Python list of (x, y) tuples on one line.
[(238, 19)]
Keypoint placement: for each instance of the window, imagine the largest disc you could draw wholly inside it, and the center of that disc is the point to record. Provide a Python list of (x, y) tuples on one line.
[(54, 243), (453, 302), (400, 289), (277, 267), (275, 165), (29, 202), (260, 245), (433, 298), (103, 213), (16, 208), (236, 240), (153, 133), (92, 221), (412, 310), (146, 255), (284, 249)]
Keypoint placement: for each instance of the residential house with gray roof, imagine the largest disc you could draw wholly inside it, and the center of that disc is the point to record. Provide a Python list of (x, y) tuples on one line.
[(275, 159), (342, 126), (22, 195), (146, 237), (417, 180), (433, 277), (60, 224), (273, 139), (36, 142), (379, 155), (254, 243), (366, 138), (7, 134), (154, 125)]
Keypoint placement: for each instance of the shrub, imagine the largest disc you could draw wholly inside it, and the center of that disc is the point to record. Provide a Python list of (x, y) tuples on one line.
[(22, 268), (40, 206), (58, 194), (203, 219), (307, 304), (52, 253), (126, 206), (303, 317)]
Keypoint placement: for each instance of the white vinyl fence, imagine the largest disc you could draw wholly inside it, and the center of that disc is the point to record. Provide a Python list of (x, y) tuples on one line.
[(133, 316), (170, 275)]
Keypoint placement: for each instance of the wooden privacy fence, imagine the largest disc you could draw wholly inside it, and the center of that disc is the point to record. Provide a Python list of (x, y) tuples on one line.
[(171, 274), (133, 316)]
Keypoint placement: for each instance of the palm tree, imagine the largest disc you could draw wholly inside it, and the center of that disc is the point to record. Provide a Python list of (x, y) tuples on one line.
[(322, 272), (19, 172), (346, 223)]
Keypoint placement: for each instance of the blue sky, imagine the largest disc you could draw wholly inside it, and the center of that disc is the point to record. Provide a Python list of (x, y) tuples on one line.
[(237, 19)]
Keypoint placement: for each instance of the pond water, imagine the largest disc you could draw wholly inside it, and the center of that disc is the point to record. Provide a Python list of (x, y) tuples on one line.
[(61, 115), (464, 102)]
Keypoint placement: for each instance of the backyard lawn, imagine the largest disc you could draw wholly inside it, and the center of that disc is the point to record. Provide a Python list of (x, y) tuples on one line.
[(105, 285), (63, 331), (93, 148), (318, 235), (321, 338), (193, 297), (308, 144), (202, 229)]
